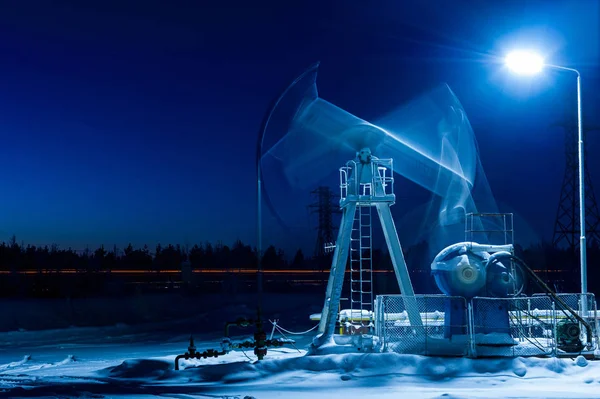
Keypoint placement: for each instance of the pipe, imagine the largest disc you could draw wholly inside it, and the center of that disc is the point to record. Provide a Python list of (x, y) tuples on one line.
[(192, 354), (241, 322)]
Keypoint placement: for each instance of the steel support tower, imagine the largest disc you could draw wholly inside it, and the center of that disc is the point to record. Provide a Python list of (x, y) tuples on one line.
[(566, 226), (366, 182)]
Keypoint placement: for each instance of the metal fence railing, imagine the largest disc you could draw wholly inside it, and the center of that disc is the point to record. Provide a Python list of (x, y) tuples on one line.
[(398, 335), (519, 326), (522, 326)]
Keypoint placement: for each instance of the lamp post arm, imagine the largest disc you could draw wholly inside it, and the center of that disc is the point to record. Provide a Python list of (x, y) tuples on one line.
[(562, 68)]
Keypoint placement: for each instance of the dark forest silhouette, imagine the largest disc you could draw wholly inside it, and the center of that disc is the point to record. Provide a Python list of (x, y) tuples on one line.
[(49, 270)]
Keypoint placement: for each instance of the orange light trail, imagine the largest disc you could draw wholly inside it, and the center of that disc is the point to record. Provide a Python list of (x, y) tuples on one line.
[(173, 271)]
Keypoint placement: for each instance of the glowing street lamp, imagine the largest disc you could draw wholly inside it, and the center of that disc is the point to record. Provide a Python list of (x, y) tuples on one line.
[(529, 63), (524, 63)]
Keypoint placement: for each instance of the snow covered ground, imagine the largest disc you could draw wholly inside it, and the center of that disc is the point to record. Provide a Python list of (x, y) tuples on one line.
[(137, 362)]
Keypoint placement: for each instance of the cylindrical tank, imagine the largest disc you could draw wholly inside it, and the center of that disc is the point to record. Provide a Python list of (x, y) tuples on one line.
[(464, 269)]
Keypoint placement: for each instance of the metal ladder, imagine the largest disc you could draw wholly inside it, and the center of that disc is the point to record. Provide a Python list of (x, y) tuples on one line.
[(361, 269)]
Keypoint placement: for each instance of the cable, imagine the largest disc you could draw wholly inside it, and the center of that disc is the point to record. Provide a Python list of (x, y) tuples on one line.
[(565, 308), (277, 326), (516, 321), (293, 343), (244, 352)]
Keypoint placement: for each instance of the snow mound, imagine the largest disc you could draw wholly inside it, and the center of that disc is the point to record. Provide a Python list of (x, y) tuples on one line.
[(353, 367), (581, 361), (67, 360), (21, 362), (139, 369)]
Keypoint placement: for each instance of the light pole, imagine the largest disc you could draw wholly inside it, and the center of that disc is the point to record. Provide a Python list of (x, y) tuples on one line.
[(527, 63)]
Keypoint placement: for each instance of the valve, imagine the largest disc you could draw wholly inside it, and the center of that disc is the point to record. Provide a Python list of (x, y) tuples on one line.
[(226, 344), (260, 342), (193, 354), (260, 338)]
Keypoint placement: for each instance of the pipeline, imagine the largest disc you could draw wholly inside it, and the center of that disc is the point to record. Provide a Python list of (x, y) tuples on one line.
[(241, 322), (260, 343), (192, 354), (260, 337)]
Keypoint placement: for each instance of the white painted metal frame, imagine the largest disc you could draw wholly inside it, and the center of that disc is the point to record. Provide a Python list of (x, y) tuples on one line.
[(366, 181)]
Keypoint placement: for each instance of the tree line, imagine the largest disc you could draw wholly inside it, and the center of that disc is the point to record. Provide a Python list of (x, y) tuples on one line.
[(19, 257), (558, 267)]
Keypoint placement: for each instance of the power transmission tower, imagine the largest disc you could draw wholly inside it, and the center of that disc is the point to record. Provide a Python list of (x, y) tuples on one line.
[(566, 226), (325, 209)]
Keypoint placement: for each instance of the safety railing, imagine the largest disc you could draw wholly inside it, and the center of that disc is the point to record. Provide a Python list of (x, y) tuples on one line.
[(521, 326), (379, 184), (396, 333)]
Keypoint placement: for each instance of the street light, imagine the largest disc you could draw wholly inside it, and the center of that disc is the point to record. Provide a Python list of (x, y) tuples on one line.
[(524, 63), (529, 63)]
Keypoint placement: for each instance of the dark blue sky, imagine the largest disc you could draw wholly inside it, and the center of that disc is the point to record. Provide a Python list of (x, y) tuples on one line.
[(137, 121)]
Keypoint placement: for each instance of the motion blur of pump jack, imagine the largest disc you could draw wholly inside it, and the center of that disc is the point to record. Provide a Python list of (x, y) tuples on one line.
[(482, 310), (429, 141)]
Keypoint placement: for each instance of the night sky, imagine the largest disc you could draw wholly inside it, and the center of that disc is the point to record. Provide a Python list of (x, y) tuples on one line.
[(137, 121)]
